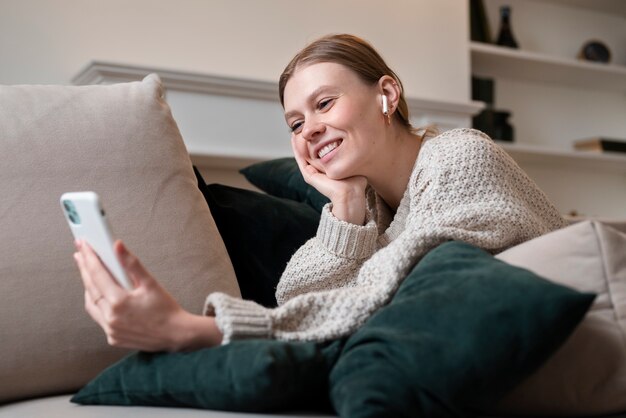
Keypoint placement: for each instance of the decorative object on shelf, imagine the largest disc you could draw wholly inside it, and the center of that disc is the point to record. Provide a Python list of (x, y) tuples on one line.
[(601, 144), (482, 90), (479, 24), (502, 129), (491, 121), (495, 124), (505, 36), (595, 51)]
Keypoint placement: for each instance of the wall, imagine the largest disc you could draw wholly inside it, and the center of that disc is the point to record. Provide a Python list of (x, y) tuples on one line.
[(425, 41), (49, 41)]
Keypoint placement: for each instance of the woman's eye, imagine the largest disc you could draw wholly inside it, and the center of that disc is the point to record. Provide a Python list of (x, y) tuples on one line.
[(296, 126), (324, 103)]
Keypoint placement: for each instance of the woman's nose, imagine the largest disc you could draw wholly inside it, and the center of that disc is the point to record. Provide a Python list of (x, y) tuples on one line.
[(312, 130)]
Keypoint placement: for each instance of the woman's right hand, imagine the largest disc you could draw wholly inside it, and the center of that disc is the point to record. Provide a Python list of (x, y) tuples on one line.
[(347, 195), (145, 318)]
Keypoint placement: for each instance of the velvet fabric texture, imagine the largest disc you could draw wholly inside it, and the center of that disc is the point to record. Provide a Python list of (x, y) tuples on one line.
[(463, 329), (244, 376), (260, 232), (281, 177)]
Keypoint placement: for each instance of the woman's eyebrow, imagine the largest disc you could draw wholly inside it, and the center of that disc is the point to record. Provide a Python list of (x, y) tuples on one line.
[(310, 98), (290, 114)]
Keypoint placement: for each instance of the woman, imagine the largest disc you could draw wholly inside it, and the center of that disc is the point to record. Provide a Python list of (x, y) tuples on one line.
[(395, 194)]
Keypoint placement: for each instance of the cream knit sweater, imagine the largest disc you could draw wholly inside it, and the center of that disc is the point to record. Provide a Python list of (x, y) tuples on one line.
[(463, 187)]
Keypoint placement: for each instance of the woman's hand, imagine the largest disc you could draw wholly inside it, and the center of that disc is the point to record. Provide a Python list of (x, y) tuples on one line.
[(347, 195), (145, 318)]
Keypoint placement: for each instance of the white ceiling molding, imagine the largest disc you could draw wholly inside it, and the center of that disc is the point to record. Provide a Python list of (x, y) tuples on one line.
[(98, 72)]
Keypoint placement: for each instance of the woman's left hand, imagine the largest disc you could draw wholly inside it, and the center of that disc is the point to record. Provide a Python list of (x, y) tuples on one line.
[(347, 195), (145, 318)]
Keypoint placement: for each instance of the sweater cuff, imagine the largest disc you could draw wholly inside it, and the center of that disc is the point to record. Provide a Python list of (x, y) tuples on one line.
[(346, 239), (238, 318)]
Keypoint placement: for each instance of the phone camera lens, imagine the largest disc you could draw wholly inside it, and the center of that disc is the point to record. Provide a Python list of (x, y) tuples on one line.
[(70, 209)]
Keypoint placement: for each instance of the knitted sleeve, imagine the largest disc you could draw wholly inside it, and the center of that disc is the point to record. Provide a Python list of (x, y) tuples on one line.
[(319, 315)]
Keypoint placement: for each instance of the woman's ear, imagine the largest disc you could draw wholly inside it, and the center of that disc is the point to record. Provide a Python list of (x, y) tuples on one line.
[(389, 88)]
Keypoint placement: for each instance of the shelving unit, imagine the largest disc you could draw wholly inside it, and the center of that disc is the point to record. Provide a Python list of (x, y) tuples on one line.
[(500, 62), (586, 182)]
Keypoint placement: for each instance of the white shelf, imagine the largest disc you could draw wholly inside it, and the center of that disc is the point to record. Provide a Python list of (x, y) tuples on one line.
[(501, 62), (612, 7), (608, 162)]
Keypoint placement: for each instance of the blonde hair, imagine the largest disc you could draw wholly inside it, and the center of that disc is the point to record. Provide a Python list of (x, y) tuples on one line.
[(359, 56)]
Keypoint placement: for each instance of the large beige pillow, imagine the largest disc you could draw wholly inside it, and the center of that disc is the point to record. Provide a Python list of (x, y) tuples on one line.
[(122, 142), (587, 375)]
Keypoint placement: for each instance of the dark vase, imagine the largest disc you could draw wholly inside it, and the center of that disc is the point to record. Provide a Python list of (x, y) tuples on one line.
[(505, 36), (479, 24)]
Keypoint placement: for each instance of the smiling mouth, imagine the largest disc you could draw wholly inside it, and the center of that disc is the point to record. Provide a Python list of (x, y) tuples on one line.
[(328, 148)]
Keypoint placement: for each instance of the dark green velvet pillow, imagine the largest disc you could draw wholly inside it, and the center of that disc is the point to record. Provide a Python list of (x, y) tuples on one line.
[(261, 233), (463, 329), (282, 178), (244, 376)]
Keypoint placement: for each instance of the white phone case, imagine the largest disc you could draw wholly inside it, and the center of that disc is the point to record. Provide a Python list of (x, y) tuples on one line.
[(87, 220)]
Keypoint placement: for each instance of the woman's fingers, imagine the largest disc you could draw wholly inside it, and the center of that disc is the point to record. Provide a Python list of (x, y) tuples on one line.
[(146, 318), (85, 275), (135, 269), (117, 333), (347, 194), (302, 164), (310, 174), (101, 279), (91, 306)]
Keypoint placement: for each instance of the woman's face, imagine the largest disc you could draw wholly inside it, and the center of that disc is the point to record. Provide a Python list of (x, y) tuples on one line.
[(335, 118)]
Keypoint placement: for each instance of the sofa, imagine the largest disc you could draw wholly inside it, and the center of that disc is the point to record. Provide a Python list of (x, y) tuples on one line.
[(196, 238)]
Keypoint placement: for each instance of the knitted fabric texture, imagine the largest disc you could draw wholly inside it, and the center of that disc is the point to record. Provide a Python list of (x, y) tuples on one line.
[(463, 187)]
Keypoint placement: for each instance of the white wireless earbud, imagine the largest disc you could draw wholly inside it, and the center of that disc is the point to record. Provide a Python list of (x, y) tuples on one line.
[(385, 105)]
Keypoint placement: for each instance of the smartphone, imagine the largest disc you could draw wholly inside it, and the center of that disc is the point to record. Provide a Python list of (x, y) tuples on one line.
[(87, 220)]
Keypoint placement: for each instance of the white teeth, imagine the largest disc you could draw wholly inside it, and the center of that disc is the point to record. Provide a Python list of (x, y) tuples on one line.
[(328, 148)]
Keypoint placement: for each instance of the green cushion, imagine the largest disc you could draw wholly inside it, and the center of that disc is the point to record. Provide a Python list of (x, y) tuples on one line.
[(244, 376), (463, 329), (261, 233), (282, 178)]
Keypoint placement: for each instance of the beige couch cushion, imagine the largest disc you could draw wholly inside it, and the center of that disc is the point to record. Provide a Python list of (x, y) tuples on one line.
[(121, 142), (587, 376), (60, 407)]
